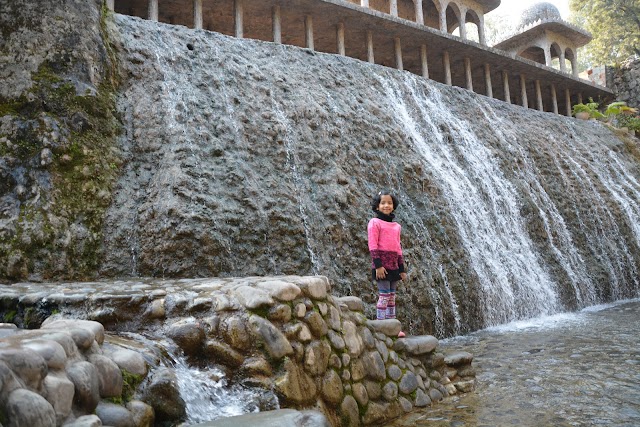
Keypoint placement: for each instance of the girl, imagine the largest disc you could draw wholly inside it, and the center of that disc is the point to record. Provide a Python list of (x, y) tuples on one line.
[(386, 254)]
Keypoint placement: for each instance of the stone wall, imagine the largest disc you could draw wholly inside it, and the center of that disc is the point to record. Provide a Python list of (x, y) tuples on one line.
[(287, 334), (625, 81)]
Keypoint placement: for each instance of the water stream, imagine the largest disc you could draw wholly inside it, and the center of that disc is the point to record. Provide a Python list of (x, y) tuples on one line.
[(575, 369)]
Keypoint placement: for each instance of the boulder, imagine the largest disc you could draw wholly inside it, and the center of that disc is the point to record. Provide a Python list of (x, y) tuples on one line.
[(188, 334), (388, 327), (275, 342), (109, 376), (84, 377), (280, 290), (67, 324), (26, 364), (416, 346), (26, 408), (332, 389), (114, 415), (350, 411), (295, 385), (163, 395), (143, 415), (352, 303), (59, 392), (458, 358)]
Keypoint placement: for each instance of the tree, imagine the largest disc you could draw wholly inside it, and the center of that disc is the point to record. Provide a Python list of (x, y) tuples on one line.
[(615, 26)]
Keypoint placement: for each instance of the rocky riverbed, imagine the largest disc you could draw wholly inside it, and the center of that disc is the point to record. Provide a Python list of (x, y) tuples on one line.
[(580, 369)]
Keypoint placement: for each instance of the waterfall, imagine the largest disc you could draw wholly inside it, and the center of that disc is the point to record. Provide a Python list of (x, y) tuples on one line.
[(515, 284), (259, 159)]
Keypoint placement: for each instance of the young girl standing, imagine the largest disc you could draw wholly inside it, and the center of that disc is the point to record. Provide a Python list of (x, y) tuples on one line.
[(386, 254)]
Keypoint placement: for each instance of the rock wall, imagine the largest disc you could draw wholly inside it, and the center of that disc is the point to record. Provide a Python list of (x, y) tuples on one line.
[(287, 334), (58, 152), (625, 81)]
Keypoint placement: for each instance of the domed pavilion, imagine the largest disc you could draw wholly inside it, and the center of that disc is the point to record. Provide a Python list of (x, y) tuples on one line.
[(543, 35)]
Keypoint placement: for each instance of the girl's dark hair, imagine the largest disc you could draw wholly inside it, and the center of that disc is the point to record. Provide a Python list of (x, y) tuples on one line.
[(375, 202)]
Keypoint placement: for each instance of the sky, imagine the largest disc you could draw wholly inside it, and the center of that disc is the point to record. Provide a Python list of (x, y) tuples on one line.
[(513, 7)]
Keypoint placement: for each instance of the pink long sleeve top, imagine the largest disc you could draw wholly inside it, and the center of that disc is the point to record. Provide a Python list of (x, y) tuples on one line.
[(385, 248)]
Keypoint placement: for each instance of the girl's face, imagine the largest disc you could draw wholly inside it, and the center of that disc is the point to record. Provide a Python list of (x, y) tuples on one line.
[(386, 204)]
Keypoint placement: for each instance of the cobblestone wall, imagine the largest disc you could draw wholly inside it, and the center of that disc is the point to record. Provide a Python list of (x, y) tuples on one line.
[(285, 334), (625, 82)]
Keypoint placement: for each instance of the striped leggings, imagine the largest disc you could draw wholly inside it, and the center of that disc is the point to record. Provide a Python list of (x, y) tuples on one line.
[(386, 307)]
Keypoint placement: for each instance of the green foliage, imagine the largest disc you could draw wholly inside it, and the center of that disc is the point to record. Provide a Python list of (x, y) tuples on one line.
[(590, 107), (630, 122), (615, 26), (616, 108)]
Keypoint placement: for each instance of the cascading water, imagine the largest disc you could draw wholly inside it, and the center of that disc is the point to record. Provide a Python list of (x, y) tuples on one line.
[(205, 390), (270, 155), (515, 284)]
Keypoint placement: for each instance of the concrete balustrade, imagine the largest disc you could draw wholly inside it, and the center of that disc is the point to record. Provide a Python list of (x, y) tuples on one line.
[(403, 34)]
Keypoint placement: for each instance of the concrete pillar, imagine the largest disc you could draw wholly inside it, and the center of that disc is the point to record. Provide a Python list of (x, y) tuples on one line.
[(574, 65), (567, 101), (505, 85), (398, 49), (538, 96), (547, 55), (579, 97), (364, 3), (523, 91), (447, 67), (463, 28), (308, 32), (370, 57), (276, 24), (443, 20), (423, 61), (467, 74), (554, 99), (110, 5), (481, 34), (238, 11), (393, 7), (340, 38), (563, 66), (487, 80), (153, 10), (197, 14), (419, 13)]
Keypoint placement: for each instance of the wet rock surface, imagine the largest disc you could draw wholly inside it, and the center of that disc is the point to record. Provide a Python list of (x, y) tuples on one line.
[(358, 370)]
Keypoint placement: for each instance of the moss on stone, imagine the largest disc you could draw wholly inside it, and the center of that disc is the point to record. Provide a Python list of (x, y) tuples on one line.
[(82, 171), (9, 316), (130, 383)]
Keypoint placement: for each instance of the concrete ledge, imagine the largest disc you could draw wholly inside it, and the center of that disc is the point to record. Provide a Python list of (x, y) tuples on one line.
[(279, 418)]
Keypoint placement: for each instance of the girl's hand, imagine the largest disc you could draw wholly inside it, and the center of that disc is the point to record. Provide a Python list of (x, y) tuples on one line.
[(381, 273), (403, 276)]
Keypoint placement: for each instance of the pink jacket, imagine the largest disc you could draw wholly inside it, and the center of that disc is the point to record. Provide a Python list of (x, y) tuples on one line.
[(384, 245)]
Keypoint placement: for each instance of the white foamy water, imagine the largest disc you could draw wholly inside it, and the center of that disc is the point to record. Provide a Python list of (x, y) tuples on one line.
[(484, 204)]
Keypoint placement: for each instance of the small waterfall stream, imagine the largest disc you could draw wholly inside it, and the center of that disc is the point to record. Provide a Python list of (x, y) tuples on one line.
[(205, 390)]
